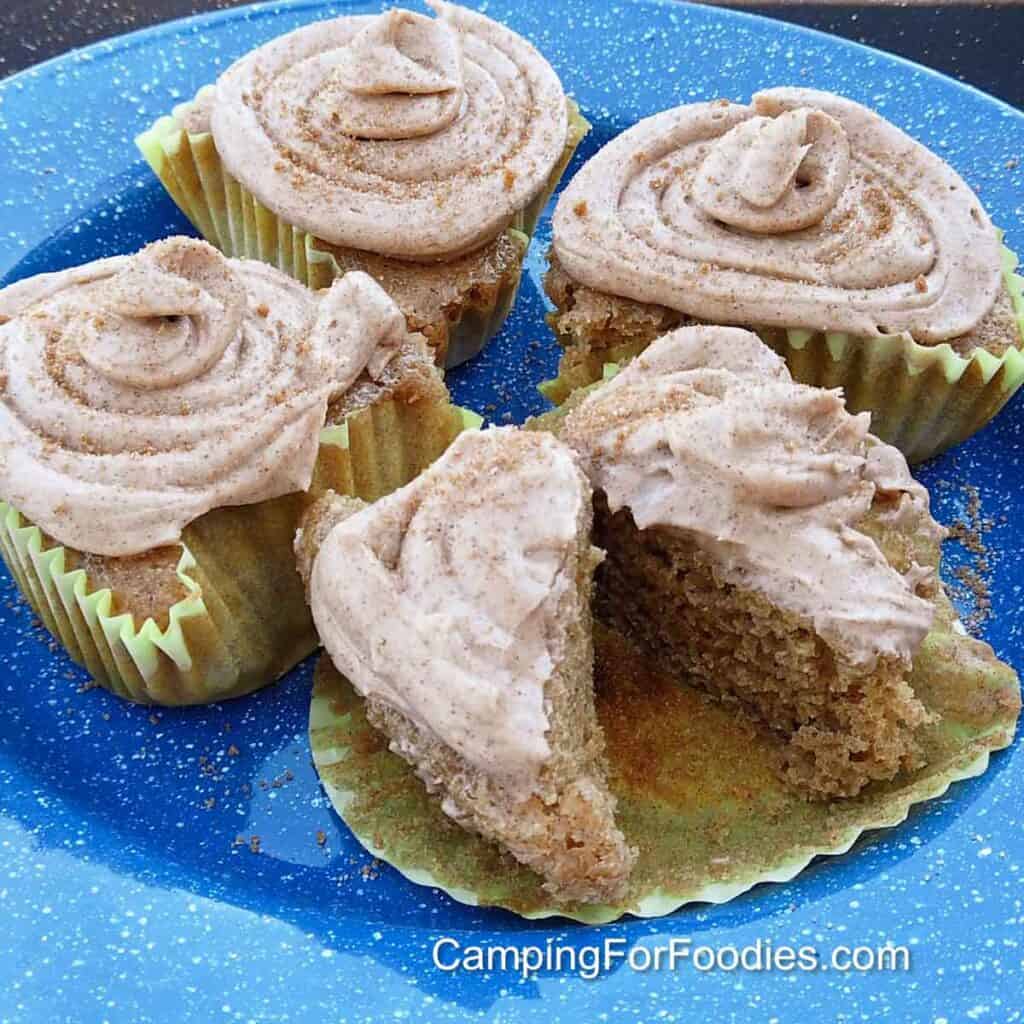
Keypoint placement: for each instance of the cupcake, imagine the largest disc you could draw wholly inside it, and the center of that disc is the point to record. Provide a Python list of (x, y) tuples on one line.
[(855, 252), (463, 618), (776, 665), (418, 150), (161, 417)]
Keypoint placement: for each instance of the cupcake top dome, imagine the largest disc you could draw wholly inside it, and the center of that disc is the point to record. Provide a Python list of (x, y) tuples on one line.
[(707, 433), (443, 599), (404, 135), (141, 391), (803, 209)]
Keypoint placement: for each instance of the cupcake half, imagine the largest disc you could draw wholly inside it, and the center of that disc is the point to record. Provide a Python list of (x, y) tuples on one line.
[(777, 668), (459, 607), (739, 511), (161, 418), (419, 150), (855, 252)]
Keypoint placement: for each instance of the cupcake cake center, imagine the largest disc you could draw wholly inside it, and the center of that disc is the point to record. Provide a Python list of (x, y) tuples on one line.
[(400, 77)]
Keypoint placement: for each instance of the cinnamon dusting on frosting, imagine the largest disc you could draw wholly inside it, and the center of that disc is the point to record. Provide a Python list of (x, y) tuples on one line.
[(142, 391), (441, 599), (707, 433), (812, 210), (398, 134)]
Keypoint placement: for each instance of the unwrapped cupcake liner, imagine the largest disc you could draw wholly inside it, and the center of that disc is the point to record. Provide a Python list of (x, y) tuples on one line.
[(922, 398), (242, 621), (698, 790), (230, 217)]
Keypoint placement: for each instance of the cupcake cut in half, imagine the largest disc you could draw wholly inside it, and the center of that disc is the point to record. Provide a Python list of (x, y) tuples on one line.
[(769, 627), (419, 150), (459, 607), (162, 417), (854, 251)]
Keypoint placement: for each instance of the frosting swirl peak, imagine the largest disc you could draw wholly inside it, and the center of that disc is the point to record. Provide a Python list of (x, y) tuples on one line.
[(141, 391), (400, 77), (770, 175)]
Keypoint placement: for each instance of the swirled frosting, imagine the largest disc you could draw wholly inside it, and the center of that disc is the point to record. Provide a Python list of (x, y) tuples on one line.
[(403, 135), (141, 391), (706, 433), (441, 599), (802, 210)]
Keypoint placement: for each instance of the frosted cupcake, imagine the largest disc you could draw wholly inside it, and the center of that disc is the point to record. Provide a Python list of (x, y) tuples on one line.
[(161, 418), (855, 252), (419, 150)]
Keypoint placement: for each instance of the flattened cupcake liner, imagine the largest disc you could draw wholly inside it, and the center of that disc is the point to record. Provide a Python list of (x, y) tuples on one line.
[(698, 790), (922, 398), (243, 620), (227, 215)]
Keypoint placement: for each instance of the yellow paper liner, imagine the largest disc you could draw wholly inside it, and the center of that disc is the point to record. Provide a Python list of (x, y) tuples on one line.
[(243, 621), (698, 789), (922, 398), (227, 215)]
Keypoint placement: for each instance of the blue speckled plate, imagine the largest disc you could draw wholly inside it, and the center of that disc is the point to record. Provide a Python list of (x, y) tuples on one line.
[(129, 886)]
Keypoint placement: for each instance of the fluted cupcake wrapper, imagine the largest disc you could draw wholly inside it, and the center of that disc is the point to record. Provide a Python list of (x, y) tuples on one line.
[(230, 217), (922, 398), (242, 621), (697, 790)]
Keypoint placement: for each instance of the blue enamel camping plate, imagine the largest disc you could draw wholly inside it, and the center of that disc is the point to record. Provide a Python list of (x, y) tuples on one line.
[(124, 895)]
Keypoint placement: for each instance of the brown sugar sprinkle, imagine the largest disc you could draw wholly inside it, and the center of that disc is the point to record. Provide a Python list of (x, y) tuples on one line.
[(970, 532), (920, 283), (580, 209), (263, 310), (321, 837), (281, 780)]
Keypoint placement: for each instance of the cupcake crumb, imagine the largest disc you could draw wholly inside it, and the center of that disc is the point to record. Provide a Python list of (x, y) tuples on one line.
[(580, 209)]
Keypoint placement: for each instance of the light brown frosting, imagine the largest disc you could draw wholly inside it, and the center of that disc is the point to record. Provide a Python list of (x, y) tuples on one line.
[(707, 433), (802, 210), (396, 133), (441, 599), (141, 391)]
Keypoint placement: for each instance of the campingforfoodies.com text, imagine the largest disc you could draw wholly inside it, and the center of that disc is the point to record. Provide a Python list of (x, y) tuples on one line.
[(675, 954)]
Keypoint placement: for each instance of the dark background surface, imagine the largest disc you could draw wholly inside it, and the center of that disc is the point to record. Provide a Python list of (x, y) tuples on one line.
[(982, 44)]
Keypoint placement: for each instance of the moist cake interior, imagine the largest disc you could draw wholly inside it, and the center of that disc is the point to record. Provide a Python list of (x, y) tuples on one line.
[(840, 728)]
